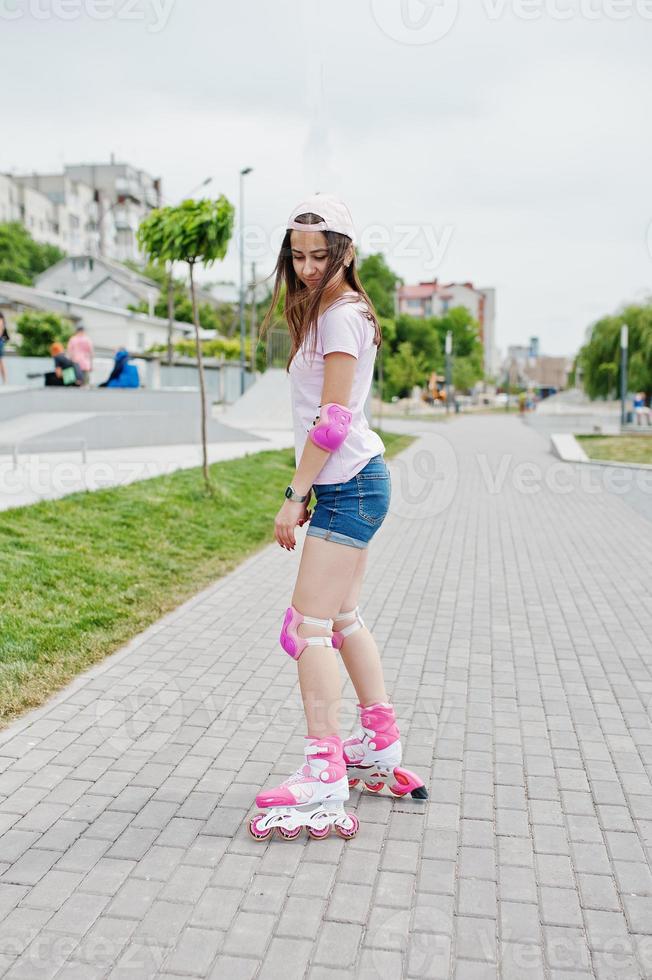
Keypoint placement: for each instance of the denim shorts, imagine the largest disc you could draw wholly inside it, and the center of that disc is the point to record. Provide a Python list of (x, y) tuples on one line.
[(351, 513)]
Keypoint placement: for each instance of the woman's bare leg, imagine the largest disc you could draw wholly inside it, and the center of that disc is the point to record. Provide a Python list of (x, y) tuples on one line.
[(3, 371), (359, 651), (322, 584)]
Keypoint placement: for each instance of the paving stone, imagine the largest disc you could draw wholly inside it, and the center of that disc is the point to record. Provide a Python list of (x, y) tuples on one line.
[(475, 938), (195, 951), (286, 959), (476, 897), (250, 933), (520, 923)]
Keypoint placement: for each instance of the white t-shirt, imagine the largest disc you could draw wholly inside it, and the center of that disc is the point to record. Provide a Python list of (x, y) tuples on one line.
[(342, 327)]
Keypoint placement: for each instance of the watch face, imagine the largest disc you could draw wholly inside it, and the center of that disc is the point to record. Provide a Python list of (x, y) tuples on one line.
[(288, 492)]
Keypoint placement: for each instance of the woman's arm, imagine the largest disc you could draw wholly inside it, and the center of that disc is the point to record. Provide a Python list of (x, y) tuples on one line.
[(339, 371)]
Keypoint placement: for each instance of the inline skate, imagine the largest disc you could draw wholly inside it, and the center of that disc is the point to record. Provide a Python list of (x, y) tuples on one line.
[(374, 754), (312, 797)]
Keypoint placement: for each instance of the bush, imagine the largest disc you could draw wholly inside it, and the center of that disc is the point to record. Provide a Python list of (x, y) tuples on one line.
[(218, 347), (40, 330)]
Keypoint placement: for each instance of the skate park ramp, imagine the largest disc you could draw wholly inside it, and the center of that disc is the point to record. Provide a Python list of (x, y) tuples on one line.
[(265, 405), (56, 419)]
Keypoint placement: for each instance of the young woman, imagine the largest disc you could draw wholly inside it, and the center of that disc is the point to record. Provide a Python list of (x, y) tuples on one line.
[(4, 337), (334, 336)]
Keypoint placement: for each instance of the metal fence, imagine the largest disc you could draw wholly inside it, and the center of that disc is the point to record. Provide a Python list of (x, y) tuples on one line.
[(278, 348)]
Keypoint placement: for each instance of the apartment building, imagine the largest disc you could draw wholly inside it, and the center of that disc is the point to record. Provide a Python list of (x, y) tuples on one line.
[(92, 209)]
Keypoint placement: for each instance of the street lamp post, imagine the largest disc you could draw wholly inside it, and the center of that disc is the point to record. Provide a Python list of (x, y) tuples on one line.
[(243, 173), (448, 348), (624, 341)]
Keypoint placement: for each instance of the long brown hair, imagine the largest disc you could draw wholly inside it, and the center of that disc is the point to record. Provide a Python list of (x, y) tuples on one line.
[(301, 305)]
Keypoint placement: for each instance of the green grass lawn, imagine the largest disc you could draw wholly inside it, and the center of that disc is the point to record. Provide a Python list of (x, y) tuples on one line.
[(82, 575), (621, 449)]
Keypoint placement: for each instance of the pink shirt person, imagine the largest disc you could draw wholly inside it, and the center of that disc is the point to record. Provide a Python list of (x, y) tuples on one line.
[(80, 349)]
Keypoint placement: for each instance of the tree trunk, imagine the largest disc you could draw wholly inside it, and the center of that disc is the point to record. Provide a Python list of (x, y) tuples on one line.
[(202, 385), (170, 312)]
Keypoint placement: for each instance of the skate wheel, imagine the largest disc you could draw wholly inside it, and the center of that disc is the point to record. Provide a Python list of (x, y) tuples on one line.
[(353, 782), (319, 834), (288, 834), (374, 787), (398, 793), (345, 833), (255, 832)]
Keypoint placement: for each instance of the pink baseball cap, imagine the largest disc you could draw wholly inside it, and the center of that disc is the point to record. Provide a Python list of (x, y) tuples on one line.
[(334, 214)]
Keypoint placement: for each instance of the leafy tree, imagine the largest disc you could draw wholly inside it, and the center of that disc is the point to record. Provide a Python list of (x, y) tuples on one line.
[(465, 329), (404, 370), (21, 258), (466, 371), (39, 330), (424, 336), (192, 232), (380, 283), (427, 337), (600, 360)]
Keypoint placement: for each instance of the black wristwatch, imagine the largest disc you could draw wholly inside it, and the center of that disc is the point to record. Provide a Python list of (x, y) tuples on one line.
[(297, 497)]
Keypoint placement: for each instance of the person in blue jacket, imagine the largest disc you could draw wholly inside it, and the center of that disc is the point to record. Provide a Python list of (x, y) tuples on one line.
[(124, 374)]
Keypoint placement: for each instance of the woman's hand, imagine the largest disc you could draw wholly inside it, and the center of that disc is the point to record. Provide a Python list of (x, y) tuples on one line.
[(290, 514)]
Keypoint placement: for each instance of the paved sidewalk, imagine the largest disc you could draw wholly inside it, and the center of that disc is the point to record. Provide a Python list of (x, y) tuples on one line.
[(515, 619)]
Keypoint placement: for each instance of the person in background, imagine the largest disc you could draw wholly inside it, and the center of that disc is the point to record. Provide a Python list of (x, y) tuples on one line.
[(66, 372), (641, 411), (80, 349), (4, 337), (124, 374)]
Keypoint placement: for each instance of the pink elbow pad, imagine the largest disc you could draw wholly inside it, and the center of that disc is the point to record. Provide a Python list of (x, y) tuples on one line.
[(332, 428)]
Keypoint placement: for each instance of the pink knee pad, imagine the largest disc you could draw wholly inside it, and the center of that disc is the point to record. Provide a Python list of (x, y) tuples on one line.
[(294, 644), (333, 426)]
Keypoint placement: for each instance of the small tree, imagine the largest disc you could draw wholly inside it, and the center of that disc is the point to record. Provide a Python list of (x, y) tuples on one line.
[(39, 330), (194, 231), (404, 370)]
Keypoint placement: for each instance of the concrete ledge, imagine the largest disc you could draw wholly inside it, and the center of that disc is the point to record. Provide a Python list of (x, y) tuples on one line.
[(566, 447)]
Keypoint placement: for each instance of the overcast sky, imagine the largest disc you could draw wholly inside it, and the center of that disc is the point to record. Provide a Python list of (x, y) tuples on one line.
[(506, 143)]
